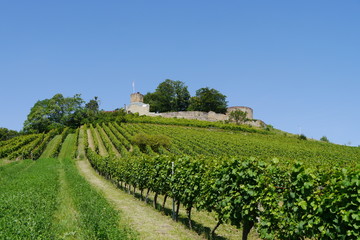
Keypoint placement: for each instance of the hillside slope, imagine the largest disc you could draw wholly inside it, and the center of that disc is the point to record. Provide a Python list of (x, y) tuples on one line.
[(232, 173), (222, 173)]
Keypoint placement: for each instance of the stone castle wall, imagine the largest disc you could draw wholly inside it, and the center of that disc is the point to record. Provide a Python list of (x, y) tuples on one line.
[(137, 106), (204, 116), (249, 111), (210, 116)]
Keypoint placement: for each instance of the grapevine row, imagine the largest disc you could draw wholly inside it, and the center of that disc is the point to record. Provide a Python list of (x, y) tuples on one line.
[(17, 143), (280, 204)]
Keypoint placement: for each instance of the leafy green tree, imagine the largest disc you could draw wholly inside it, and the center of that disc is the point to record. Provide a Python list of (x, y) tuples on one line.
[(79, 117), (6, 134), (324, 139), (52, 113), (302, 137), (238, 116), (93, 105), (207, 100), (88, 114), (169, 96), (115, 116)]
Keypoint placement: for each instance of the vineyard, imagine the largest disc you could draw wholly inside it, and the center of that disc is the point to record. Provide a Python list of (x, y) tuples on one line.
[(48, 199), (269, 185)]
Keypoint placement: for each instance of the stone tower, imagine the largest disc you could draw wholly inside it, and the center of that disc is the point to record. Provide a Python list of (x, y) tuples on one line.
[(136, 97), (137, 104)]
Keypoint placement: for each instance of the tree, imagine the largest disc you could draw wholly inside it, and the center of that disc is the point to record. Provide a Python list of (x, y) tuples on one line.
[(52, 113), (207, 100), (6, 134), (169, 96), (238, 116), (324, 139), (88, 114), (302, 137), (93, 105)]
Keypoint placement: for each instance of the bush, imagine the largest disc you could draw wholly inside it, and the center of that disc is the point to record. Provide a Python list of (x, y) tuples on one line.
[(238, 116), (269, 127), (154, 141), (324, 139), (302, 137)]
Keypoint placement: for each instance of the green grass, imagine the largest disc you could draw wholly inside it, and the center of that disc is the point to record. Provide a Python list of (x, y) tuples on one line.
[(95, 216), (50, 148), (48, 199), (67, 223), (72, 209), (28, 194), (5, 164)]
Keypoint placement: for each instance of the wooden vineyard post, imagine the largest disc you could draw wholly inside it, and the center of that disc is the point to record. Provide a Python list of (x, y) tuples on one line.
[(173, 198)]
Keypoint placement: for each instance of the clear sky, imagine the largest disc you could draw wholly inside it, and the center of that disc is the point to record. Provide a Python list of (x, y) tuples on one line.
[(296, 63)]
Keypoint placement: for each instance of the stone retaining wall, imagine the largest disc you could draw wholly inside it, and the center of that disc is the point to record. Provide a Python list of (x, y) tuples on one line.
[(204, 116)]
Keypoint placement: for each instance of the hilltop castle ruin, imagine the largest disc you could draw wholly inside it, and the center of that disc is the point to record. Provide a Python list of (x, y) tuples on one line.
[(137, 105)]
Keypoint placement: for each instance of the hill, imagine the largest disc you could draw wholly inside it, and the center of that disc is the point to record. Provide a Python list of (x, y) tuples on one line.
[(239, 173)]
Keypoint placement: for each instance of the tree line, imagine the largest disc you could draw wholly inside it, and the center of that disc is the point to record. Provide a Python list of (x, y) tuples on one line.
[(61, 112), (6, 134)]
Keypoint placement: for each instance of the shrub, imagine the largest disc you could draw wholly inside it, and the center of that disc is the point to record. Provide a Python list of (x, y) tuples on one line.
[(302, 137), (324, 139), (269, 127), (238, 116), (154, 141)]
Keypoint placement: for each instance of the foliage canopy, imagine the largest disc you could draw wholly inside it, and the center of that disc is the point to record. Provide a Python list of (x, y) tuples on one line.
[(6, 134), (207, 100), (238, 116), (169, 96), (55, 112), (60, 112)]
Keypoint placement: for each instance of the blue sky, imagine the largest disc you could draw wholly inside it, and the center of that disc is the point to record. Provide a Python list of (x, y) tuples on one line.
[(296, 63)]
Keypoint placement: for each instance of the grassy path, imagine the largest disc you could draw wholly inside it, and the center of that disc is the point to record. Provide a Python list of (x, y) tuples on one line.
[(81, 151), (4, 162), (66, 218), (50, 147), (91, 140), (102, 149), (83, 212), (114, 150), (67, 224)]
